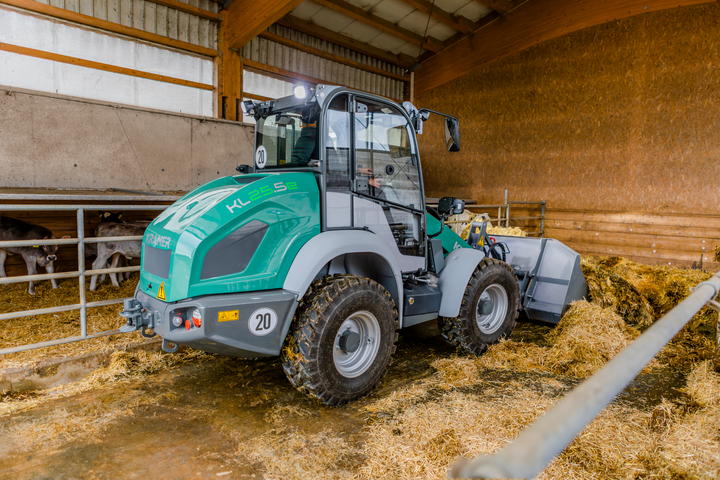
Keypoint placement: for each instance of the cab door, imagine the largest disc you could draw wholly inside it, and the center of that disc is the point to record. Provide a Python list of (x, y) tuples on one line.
[(387, 181)]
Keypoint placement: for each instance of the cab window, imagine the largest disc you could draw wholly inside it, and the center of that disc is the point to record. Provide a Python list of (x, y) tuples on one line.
[(386, 164)]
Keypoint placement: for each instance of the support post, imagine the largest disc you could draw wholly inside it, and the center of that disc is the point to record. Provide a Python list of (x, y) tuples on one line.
[(81, 269), (230, 75)]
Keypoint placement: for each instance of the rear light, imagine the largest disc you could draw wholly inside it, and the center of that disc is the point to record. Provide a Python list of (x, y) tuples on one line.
[(197, 318), (177, 320)]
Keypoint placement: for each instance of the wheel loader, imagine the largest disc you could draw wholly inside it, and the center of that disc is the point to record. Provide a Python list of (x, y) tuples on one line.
[(324, 248)]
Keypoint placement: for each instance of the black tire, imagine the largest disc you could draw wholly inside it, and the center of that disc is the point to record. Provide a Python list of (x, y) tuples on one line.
[(464, 331), (309, 353)]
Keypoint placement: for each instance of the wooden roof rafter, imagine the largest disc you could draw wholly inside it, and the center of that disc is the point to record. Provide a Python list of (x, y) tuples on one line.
[(331, 36), (361, 15)]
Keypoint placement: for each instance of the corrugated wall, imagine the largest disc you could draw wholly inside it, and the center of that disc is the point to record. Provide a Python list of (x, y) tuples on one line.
[(150, 17), (271, 53), (615, 126)]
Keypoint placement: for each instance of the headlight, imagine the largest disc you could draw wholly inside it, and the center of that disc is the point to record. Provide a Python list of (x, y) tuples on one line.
[(300, 92)]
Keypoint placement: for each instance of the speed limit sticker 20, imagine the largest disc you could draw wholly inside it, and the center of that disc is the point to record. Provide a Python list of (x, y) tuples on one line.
[(262, 321)]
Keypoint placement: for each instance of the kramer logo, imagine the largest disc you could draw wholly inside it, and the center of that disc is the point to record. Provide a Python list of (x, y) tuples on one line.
[(261, 192), (157, 240)]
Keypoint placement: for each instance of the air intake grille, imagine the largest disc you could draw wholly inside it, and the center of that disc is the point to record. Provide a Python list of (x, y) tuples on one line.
[(233, 253)]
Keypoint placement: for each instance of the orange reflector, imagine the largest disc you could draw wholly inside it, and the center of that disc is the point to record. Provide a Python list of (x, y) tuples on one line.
[(187, 324)]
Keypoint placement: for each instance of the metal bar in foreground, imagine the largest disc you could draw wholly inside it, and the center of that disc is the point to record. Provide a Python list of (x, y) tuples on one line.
[(535, 447)]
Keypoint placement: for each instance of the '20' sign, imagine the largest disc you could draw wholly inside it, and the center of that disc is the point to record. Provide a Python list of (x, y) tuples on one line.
[(261, 157), (262, 321)]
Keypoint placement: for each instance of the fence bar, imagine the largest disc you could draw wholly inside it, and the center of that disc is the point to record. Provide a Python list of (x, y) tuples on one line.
[(37, 278), (102, 198), (39, 311), (81, 270), (129, 238), (536, 446), (72, 208), (62, 341)]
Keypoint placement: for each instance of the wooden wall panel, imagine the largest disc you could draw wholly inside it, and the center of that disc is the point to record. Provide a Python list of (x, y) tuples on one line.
[(619, 117), (618, 122)]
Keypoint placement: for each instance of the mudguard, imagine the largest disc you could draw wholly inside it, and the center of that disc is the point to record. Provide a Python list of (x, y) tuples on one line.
[(459, 266), (327, 246)]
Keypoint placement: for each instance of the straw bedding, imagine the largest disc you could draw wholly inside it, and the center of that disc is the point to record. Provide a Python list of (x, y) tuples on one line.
[(471, 406)]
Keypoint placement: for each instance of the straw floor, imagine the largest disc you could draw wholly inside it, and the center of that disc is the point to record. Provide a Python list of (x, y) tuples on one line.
[(465, 406)]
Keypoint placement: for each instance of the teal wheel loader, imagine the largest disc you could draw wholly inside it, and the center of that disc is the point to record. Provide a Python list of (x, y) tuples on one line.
[(324, 248)]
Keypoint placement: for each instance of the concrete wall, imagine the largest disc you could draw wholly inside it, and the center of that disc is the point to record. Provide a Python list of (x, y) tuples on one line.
[(50, 141)]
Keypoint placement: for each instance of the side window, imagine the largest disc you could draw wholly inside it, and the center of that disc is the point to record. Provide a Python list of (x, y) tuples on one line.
[(337, 145), (386, 164)]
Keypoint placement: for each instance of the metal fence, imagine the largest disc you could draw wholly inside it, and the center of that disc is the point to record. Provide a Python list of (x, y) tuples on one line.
[(80, 274), (534, 448), (503, 215)]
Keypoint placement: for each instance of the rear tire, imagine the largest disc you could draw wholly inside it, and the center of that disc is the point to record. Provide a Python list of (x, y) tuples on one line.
[(341, 340), (481, 324)]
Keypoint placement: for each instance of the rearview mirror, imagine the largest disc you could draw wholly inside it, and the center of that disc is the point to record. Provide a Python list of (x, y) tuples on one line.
[(452, 134)]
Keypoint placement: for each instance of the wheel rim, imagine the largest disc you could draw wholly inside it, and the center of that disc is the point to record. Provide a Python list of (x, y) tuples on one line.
[(491, 322), (354, 364)]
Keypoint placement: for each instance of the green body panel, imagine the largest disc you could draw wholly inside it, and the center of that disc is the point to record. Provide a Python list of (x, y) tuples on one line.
[(450, 240), (287, 202)]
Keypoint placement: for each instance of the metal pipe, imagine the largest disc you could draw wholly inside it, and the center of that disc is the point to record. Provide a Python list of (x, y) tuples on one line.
[(39, 311), (102, 198), (81, 270), (48, 276), (61, 341), (72, 208), (535, 447), (128, 238)]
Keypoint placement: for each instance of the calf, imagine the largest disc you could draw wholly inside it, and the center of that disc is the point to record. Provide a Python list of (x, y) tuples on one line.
[(116, 250), (44, 255)]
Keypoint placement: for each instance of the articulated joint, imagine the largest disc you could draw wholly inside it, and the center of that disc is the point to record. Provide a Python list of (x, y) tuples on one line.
[(138, 318)]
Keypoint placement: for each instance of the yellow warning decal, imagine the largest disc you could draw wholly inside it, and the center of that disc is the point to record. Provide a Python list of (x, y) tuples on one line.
[(228, 316), (161, 291)]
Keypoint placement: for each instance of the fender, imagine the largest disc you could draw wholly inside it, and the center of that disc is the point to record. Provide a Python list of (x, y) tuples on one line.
[(459, 266), (323, 248)]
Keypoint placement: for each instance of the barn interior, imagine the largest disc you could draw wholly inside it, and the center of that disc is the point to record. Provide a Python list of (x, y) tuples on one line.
[(590, 123)]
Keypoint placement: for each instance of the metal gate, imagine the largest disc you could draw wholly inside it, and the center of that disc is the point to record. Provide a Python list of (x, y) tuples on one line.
[(80, 274)]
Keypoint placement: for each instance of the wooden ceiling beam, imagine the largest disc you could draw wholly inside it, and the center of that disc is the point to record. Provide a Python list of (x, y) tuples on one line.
[(453, 21), (346, 42), (245, 19), (533, 22), (361, 15), (330, 56), (501, 6)]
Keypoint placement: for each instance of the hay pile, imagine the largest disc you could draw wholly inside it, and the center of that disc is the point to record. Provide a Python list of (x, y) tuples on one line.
[(497, 230), (22, 331), (717, 253), (642, 294)]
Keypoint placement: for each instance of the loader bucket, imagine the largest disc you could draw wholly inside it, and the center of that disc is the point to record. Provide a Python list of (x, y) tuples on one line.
[(549, 275)]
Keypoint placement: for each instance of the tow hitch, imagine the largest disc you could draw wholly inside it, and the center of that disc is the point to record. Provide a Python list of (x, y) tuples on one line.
[(138, 318)]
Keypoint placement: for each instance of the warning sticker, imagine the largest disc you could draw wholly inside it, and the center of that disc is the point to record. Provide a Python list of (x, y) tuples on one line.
[(161, 291), (228, 316)]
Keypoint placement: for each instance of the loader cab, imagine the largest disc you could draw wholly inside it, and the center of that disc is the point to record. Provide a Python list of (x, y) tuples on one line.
[(364, 152)]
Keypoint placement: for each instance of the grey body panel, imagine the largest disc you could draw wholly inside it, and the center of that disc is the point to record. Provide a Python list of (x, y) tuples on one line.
[(459, 266), (559, 280), (356, 248), (371, 215), (227, 338)]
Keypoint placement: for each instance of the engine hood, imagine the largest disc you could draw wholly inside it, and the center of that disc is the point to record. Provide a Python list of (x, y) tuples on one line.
[(234, 234)]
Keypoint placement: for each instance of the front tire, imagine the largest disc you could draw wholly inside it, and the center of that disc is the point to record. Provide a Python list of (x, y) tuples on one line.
[(489, 309), (341, 340)]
